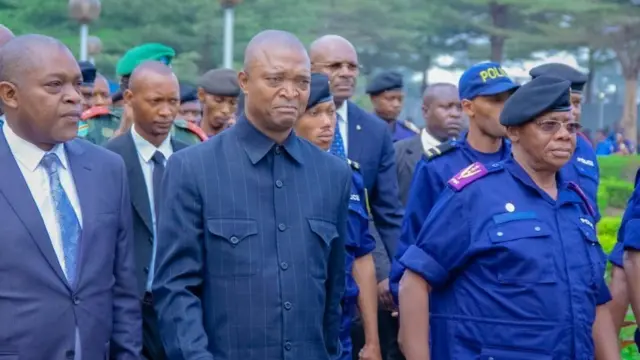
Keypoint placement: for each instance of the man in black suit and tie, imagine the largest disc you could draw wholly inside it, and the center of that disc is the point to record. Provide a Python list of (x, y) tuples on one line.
[(154, 98)]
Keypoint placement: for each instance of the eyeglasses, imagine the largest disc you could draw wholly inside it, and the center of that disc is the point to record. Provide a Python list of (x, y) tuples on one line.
[(552, 126)]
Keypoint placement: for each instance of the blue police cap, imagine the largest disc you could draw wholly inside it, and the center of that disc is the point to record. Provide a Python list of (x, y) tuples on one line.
[(89, 72), (540, 95), (561, 71), (484, 79), (385, 81), (320, 90), (188, 93)]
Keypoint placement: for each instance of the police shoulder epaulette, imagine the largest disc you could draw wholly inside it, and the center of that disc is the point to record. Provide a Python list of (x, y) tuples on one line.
[(95, 112), (470, 174), (436, 151), (573, 186), (354, 165), (411, 126)]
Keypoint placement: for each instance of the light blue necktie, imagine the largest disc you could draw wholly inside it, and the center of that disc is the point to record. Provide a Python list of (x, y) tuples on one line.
[(337, 146), (66, 216)]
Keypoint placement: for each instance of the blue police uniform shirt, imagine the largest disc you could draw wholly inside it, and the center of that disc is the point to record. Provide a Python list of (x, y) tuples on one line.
[(359, 243), (429, 180), (629, 232), (401, 131), (514, 273)]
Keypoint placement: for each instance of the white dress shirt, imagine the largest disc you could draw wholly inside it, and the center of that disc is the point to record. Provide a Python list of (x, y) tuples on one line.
[(343, 125), (428, 141), (145, 153), (28, 157)]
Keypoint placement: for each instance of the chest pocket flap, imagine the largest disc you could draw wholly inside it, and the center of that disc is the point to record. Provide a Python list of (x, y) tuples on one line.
[(233, 230), (514, 230), (326, 230)]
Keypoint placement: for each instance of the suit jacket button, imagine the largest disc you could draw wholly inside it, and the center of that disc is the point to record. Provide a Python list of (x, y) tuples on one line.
[(146, 269), (76, 300), (234, 240), (287, 346)]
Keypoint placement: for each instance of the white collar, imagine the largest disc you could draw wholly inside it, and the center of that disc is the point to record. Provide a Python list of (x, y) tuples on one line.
[(147, 149), (28, 154), (343, 111)]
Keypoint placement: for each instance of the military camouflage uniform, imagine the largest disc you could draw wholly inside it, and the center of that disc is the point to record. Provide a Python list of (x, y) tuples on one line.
[(98, 125), (187, 132)]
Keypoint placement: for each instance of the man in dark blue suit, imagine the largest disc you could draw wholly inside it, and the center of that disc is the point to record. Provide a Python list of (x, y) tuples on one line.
[(366, 139), (67, 279), (250, 260)]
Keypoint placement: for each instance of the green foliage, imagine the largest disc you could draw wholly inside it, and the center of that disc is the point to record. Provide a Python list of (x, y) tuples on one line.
[(608, 232), (617, 192), (619, 167)]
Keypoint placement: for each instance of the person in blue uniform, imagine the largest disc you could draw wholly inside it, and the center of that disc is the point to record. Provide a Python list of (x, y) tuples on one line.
[(317, 125), (385, 91), (583, 168), (483, 88), (508, 265), (629, 236)]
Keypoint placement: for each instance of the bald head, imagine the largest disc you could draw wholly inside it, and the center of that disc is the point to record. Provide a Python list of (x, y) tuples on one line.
[(329, 44), (22, 54), (432, 92), (5, 35), (270, 41), (147, 71)]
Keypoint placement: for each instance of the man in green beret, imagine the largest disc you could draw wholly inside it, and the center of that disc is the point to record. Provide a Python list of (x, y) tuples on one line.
[(218, 91)]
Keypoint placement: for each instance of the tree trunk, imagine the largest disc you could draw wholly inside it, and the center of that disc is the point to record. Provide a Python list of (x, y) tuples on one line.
[(499, 19), (629, 120), (588, 93)]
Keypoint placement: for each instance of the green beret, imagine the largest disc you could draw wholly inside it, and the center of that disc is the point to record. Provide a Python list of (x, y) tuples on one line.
[(150, 51)]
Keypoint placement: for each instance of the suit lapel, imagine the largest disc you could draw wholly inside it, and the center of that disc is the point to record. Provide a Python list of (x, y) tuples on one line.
[(14, 188), (356, 133), (81, 170), (139, 192)]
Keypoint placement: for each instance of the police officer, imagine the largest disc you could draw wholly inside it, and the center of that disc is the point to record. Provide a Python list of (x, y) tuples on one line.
[(98, 123), (385, 91), (483, 88), (190, 108), (318, 125), (629, 235), (508, 265), (218, 91)]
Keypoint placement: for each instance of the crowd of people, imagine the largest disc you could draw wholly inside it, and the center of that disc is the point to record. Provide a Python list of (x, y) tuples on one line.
[(261, 214)]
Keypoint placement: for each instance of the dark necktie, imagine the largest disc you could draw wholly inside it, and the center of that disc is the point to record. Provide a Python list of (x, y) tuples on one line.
[(158, 171)]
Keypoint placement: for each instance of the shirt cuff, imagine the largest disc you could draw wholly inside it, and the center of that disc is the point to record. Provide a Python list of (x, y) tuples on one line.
[(604, 295), (632, 235), (424, 265)]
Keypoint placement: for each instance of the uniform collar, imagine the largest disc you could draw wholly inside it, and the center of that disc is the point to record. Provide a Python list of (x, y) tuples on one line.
[(257, 144), (518, 172), (343, 111), (28, 154)]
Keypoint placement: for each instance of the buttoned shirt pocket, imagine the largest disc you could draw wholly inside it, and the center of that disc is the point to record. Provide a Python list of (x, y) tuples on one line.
[(325, 232), (595, 258), (524, 252), (232, 249)]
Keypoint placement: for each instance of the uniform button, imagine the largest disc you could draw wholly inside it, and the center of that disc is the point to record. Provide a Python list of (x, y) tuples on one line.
[(499, 233), (287, 346), (537, 228), (282, 227), (146, 269), (278, 183), (234, 240), (287, 305), (76, 300), (278, 151), (491, 358), (284, 265)]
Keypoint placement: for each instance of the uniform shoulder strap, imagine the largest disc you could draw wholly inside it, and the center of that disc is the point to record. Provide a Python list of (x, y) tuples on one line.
[(443, 148), (354, 165), (573, 186), (470, 174), (411, 126), (95, 112)]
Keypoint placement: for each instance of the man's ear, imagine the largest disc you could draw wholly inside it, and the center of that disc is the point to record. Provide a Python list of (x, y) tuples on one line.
[(127, 96), (243, 79), (514, 133), (8, 95)]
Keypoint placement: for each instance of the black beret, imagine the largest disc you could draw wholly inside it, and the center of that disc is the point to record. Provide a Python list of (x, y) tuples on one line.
[(385, 81), (221, 82), (320, 90), (538, 96), (117, 96), (561, 71), (188, 93), (89, 72)]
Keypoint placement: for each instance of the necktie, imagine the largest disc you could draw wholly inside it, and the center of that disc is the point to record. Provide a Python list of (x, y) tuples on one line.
[(337, 146), (67, 219), (158, 172)]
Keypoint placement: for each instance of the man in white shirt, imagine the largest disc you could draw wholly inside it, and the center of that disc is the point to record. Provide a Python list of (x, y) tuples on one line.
[(154, 98), (67, 289)]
